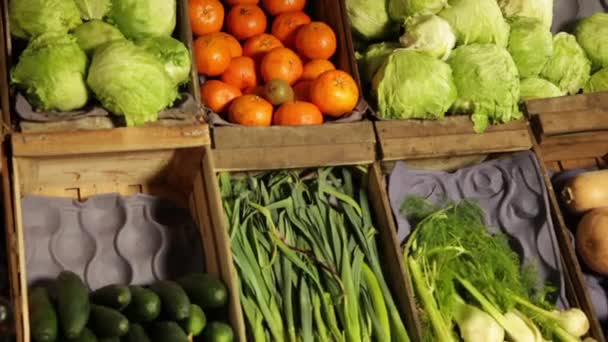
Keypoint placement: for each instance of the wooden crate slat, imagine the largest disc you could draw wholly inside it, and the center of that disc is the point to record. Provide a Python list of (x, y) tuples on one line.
[(329, 134), (573, 121), (455, 144), (114, 140), (293, 157), (452, 125)]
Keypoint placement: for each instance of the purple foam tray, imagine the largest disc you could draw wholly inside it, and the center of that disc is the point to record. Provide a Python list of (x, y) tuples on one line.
[(109, 239), (513, 195), (597, 285)]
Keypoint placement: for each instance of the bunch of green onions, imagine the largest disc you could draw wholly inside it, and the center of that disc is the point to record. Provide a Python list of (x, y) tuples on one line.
[(304, 246)]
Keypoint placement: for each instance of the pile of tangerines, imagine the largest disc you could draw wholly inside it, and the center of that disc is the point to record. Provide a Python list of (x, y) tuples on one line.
[(268, 63)]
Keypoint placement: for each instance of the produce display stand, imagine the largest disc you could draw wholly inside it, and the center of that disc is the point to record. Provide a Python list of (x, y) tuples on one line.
[(445, 157), (181, 174), (387, 239), (571, 134), (318, 144), (12, 121)]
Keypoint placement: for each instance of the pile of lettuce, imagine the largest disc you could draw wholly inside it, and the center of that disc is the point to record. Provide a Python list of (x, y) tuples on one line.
[(117, 52), (481, 58)]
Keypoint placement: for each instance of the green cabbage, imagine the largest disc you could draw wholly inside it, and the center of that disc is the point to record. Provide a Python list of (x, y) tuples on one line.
[(488, 84), (95, 33), (538, 88), (93, 9), (569, 67), (598, 82), (477, 21), (172, 53), (144, 18), (400, 10), (592, 35), (530, 44), (373, 58), (51, 72), (30, 18), (412, 85), (429, 34), (539, 9), (369, 18), (130, 81)]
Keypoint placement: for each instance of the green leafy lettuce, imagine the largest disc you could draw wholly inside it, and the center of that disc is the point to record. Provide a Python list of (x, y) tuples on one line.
[(477, 21), (172, 53), (592, 35), (130, 81), (95, 33), (569, 67), (51, 72), (370, 18), (373, 58), (530, 44), (538, 88), (30, 18), (93, 9), (598, 82), (400, 10), (144, 18), (429, 34), (488, 84), (413, 85), (539, 9)]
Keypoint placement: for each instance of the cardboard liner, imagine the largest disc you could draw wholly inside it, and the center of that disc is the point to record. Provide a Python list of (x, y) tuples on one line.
[(109, 239), (514, 198)]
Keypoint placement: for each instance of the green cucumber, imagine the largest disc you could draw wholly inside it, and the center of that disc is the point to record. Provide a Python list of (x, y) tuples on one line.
[(218, 332), (107, 322), (144, 306), (205, 290), (196, 322), (43, 318), (174, 300), (85, 336), (113, 296), (136, 334), (166, 332), (73, 304)]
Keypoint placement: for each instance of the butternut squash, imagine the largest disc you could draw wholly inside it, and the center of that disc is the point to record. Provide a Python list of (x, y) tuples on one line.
[(587, 191), (592, 240)]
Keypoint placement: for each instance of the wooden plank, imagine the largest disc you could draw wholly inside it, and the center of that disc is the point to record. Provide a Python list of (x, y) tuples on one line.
[(395, 271), (222, 242), (451, 125), (581, 150), (293, 157), (454, 145), (574, 121), (232, 137), (12, 247), (568, 103), (554, 166), (4, 81), (578, 163), (112, 140)]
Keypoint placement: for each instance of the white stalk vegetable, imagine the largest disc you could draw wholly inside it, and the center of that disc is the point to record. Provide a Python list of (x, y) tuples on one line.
[(476, 325), (573, 321)]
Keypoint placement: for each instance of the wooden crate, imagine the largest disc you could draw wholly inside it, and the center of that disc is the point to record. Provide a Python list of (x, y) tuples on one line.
[(387, 239), (182, 174), (9, 58), (5, 189), (242, 140), (571, 132)]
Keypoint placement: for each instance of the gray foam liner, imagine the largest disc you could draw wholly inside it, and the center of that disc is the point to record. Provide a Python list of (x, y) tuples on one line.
[(513, 195), (597, 285), (109, 239), (566, 13)]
